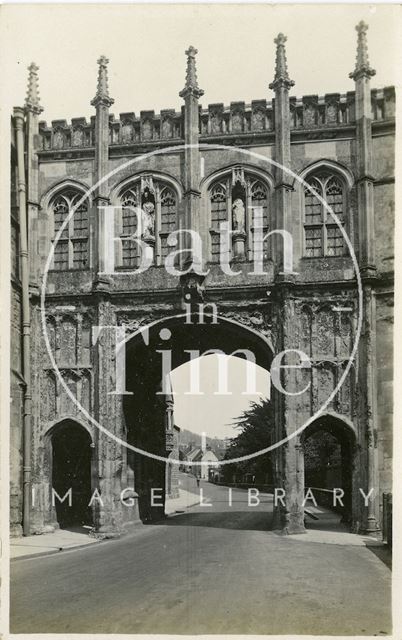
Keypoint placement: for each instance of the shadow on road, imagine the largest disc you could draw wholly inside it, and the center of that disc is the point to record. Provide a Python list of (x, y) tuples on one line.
[(382, 552), (240, 520)]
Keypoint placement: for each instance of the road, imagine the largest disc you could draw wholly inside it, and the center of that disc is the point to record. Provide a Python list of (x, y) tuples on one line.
[(212, 569)]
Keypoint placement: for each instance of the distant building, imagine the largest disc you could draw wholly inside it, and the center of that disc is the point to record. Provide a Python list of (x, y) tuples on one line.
[(208, 461)]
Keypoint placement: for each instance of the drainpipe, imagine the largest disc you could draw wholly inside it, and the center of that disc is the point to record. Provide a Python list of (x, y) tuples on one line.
[(26, 320)]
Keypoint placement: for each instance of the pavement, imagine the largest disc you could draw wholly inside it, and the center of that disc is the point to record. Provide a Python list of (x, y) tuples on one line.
[(45, 543), (212, 569), (189, 495), (64, 539)]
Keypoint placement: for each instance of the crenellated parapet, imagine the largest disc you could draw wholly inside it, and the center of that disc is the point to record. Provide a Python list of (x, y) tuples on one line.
[(308, 112), (237, 118), (62, 135)]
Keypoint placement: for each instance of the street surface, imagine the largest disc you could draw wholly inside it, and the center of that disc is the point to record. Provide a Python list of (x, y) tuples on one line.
[(210, 570)]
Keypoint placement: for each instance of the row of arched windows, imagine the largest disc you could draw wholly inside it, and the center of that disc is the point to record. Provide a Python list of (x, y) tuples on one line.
[(149, 209)]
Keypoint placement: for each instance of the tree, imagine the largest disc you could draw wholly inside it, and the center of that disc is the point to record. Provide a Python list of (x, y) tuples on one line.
[(256, 426)]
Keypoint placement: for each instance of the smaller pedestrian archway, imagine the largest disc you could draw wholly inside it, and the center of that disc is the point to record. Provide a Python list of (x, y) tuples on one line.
[(329, 450), (71, 447)]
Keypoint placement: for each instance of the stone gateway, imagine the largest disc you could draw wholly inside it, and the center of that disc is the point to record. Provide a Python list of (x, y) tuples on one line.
[(278, 159)]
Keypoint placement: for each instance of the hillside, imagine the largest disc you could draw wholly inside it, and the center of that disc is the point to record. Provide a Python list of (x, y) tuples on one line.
[(189, 438)]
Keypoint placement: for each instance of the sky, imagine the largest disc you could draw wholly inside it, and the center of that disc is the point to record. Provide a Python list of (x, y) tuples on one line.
[(210, 413), (146, 45)]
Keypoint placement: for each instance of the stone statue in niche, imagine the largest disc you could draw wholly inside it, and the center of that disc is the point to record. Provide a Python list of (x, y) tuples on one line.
[(237, 122), (332, 113), (238, 216), (309, 116), (166, 128), (147, 216), (216, 123), (127, 132), (78, 137), (58, 140), (146, 130), (258, 118)]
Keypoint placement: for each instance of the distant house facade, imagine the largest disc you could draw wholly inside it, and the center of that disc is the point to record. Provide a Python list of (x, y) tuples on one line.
[(207, 458)]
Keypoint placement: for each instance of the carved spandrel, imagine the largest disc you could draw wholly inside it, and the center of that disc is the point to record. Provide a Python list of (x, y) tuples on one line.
[(257, 320)]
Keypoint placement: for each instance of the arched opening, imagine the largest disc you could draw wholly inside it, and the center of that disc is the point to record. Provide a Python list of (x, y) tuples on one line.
[(329, 445), (71, 472), (176, 342)]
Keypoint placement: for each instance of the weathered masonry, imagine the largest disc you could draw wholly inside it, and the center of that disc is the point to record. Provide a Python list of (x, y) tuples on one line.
[(201, 174)]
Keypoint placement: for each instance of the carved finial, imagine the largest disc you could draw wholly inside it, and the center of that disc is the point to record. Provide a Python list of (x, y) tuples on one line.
[(32, 99), (102, 92), (281, 68), (191, 75), (362, 68)]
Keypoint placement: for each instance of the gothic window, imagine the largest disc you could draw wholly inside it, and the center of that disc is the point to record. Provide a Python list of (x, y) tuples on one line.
[(322, 235), (259, 201), (168, 218), (241, 200), (219, 213), (129, 248), (154, 205), (71, 250)]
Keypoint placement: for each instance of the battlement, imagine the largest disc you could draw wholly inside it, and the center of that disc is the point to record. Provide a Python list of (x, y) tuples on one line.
[(308, 112)]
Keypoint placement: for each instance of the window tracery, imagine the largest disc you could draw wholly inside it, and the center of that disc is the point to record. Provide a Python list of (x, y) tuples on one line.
[(322, 235), (71, 250), (153, 205)]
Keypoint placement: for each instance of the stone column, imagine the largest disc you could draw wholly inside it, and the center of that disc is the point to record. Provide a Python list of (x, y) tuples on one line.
[(111, 459), (290, 518), (364, 153), (102, 102), (365, 201), (32, 111), (289, 515), (191, 171), (283, 186)]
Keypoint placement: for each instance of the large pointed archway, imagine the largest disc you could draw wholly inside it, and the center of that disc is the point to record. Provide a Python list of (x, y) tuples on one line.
[(174, 341)]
